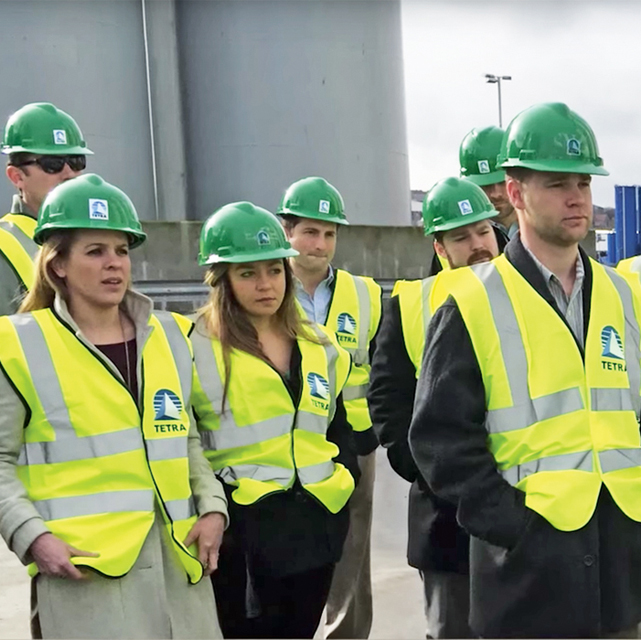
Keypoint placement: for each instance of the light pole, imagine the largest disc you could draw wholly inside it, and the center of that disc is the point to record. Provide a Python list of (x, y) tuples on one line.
[(492, 79)]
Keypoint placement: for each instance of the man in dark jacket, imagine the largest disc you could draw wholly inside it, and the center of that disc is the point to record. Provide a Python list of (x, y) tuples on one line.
[(527, 407), (438, 547)]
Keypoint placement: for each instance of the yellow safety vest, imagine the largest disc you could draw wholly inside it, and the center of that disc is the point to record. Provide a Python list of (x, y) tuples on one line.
[(94, 464), (263, 440), (630, 265), (16, 243), (354, 315), (558, 426), (417, 301)]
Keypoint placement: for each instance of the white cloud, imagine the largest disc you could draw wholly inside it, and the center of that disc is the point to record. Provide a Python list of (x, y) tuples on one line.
[(587, 54)]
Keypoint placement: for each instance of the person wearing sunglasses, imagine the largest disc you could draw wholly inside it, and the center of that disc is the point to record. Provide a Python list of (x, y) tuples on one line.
[(45, 147)]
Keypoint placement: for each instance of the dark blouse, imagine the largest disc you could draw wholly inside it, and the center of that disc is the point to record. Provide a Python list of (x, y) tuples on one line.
[(119, 353)]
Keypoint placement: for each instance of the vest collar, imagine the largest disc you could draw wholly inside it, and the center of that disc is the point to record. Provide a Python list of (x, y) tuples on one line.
[(139, 308), (518, 256)]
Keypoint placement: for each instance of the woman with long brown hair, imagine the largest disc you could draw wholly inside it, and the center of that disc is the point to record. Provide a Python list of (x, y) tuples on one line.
[(268, 406), (104, 490)]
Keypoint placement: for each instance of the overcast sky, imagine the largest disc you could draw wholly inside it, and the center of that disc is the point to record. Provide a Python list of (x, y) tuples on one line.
[(586, 54)]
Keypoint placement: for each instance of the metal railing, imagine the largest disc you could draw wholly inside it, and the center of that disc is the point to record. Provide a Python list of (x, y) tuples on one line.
[(184, 296)]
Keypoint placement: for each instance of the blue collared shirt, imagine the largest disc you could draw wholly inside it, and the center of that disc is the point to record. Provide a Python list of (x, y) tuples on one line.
[(316, 306)]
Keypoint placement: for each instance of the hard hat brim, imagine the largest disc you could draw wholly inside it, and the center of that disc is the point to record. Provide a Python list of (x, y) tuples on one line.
[(486, 179), (462, 222), (71, 151), (311, 216), (557, 166), (136, 236), (258, 256)]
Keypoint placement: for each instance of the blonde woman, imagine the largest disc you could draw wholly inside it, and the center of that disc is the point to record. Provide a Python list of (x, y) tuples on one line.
[(104, 492), (272, 422)]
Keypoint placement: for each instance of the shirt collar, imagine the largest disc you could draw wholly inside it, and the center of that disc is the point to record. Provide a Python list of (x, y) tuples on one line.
[(327, 281), (18, 206), (550, 276)]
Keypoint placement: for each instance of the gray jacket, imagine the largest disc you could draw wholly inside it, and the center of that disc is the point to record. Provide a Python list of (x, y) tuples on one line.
[(20, 523)]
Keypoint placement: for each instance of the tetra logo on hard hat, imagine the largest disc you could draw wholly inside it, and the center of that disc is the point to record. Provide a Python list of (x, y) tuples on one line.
[(484, 166), (465, 207), (323, 206), (98, 209), (59, 136), (574, 147), (262, 237)]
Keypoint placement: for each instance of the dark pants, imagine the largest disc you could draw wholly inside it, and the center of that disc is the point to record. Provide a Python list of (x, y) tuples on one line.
[(255, 605)]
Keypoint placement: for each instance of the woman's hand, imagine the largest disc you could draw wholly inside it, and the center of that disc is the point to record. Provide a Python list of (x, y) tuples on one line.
[(52, 556), (208, 534)]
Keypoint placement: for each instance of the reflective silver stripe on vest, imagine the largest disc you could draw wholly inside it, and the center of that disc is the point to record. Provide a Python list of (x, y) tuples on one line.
[(361, 354), (316, 472), (69, 449), (631, 339), (25, 241), (581, 461), (180, 509), (67, 446), (331, 353), (167, 448), (95, 503), (426, 289), (616, 459), (525, 411), (611, 400), (179, 349), (355, 393), (259, 472)]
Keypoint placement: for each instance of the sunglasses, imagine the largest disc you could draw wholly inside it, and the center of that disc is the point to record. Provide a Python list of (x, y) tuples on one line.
[(55, 164)]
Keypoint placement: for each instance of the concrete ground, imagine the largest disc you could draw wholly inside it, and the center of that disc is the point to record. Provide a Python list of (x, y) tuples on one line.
[(398, 606)]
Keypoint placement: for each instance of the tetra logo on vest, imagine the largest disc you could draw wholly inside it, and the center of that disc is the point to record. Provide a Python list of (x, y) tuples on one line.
[(319, 390), (346, 329), (167, 407), (612, 348)]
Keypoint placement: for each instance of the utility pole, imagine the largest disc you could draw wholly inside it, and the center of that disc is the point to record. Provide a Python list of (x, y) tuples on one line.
[(492, 79)]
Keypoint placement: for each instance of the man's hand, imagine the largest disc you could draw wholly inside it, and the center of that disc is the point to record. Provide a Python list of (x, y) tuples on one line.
[(207, 533), (52, 556)]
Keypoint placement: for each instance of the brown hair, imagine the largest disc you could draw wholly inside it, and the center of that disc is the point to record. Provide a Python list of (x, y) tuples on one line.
[(225, 320), (520, 174), (47, 283)]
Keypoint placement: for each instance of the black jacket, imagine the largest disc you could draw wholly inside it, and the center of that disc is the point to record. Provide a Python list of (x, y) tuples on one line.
[(435, 541), (528, 578)]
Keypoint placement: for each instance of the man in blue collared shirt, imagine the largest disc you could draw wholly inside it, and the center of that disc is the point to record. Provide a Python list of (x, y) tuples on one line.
[(311, 211)]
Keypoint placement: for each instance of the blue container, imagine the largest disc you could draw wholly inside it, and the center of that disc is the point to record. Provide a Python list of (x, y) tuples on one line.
[(618, 223), (611, 258), (630, 212)]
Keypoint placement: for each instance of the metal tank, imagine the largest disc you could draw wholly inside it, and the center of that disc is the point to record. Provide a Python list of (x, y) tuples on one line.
[(275, 90), (88, 58)]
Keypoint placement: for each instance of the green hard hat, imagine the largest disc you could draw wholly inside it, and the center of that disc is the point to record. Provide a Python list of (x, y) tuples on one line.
[(42, 128), (88, 202), (242, 232), (477, 156), (313, 198), (550, 137), (453, 203)]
